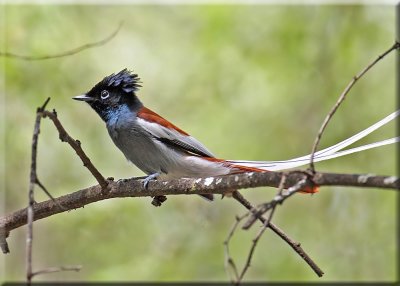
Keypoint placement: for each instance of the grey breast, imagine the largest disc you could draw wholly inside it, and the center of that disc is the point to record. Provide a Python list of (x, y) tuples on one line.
[(137, 144)]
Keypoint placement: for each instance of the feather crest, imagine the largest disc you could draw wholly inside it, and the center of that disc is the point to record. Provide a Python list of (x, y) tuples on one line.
[(125, 79)]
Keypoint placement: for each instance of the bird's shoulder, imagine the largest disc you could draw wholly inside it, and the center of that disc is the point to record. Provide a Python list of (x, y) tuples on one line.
[(150, 116)]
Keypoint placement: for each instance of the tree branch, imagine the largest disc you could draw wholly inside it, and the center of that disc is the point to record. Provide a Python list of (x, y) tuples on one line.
[(216, 185)]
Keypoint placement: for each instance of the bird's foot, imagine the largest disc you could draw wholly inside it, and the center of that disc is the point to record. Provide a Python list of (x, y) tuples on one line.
[(150, 178)]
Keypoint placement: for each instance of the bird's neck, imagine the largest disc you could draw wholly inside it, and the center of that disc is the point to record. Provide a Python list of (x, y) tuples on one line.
[(111, 116), (113, 113)]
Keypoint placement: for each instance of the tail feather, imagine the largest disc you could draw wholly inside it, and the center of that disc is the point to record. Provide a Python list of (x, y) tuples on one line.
[(327, 153)]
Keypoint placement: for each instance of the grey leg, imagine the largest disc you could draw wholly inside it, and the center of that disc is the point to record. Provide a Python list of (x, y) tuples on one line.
[(149, 178)]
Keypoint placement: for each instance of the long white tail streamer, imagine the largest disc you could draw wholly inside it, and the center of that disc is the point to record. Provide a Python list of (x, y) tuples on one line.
[(327, 153)]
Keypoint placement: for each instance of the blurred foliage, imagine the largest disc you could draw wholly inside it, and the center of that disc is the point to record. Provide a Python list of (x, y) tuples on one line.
[(251, 82)]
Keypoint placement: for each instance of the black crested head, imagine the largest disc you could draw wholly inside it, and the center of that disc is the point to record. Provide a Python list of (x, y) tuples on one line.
[(125, 80), (113, 93)]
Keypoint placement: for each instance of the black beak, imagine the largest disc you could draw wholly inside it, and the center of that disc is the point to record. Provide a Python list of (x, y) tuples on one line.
[(83, 97)]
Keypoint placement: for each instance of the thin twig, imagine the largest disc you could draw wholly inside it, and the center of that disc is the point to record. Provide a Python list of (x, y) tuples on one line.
[(63, 54), (280, 197), (76, 145), (229, 262), (263, 208), (44, 189), (40, 113), (36, 179), (341, 98), (261, 232), (254, 245), (295, 245), (75, 268), (31, 199)]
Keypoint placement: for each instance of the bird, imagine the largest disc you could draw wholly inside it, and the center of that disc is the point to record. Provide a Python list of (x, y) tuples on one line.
[(162, 150)]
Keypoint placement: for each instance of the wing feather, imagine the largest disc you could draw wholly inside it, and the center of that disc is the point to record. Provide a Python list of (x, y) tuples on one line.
[(169, 134)]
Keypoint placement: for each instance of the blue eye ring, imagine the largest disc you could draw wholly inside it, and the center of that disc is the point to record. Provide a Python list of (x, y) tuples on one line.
[(104, 94)]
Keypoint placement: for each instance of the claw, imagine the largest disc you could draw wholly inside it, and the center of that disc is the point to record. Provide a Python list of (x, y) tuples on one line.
[(150, 178)]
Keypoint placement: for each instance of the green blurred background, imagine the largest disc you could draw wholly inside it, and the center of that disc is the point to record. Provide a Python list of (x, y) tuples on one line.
[(249, 81)]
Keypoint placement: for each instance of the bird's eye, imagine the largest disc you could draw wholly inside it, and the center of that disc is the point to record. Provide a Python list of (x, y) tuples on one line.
[(104, 94)]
